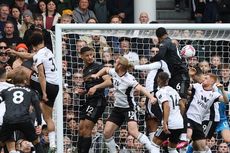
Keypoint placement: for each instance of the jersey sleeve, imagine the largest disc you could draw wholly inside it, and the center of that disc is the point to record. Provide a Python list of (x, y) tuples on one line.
[(111, 72), (38, 59), (162, 97), (149, 67)]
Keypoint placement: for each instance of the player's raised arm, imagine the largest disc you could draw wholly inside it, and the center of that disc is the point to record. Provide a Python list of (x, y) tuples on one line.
[(224, 97), (107, 82), (146, 93), (23, 55), (100, 73)]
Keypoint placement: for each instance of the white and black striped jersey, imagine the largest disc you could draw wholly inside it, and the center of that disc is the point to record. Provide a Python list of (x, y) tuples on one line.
[(3, 85), (124, 88), (153, 69), (167, 93), (45, 56), (201, 101)]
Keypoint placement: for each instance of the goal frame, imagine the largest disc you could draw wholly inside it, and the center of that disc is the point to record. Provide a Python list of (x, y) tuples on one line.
[(58, 54)]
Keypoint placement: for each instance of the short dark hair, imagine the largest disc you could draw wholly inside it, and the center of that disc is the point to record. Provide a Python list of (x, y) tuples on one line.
[(163, 76), (36, 38), (37, 16), (85, 49), (2, 72), (161, 32)]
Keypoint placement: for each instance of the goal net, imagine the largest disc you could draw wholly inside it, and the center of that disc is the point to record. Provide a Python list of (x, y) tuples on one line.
[(212, 43)]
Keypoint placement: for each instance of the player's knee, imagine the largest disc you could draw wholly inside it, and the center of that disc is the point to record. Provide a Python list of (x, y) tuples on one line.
[(107, 134), (226, 139)]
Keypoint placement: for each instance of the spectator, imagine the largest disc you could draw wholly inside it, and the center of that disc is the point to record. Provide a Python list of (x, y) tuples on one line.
[(63, 5), (125, 50), (77, 79), (144, 18), (41, 6), (4, 58), (211, 143), (4, 17), (9, 37), (198, 10), (16, 14), (115, 19), (22, 5), (51, 16), (92, 20), (215, 64), (224, 11), (27, 22), (204, 66), (123, 8), (45, 138), (107, 57), (122, 137), (100, 9), (24, 146), (225, 76), (97, 145), (193, 61), (82, 13), (38, 24), (223, 148), (210, 12), (20, 48)]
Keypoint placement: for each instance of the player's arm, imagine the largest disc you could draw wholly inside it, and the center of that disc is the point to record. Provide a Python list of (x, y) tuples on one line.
[(102, 72), (148, 67), (42, 80), (224, 96), (166, 110), (140, 88), (23, 55), (182, 105), (106, 83)]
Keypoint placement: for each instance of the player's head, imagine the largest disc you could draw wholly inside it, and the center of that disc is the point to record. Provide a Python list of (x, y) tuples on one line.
[(19, 77), (122, 64), (2, 73), (36, 38), (209, 80), (162, 79), (160, 32), (87, 54)]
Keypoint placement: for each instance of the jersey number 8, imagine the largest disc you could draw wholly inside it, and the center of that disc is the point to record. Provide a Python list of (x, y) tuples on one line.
[(18, 97)]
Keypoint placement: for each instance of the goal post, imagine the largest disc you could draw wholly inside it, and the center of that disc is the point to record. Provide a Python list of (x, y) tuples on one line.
[(216, 32)]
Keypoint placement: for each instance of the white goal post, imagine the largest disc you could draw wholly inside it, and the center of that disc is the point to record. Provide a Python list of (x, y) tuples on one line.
[(59, 28)]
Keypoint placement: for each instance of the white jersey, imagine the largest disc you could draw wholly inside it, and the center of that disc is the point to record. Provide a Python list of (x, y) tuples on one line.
[(202, 101), (45, 56), (124, 88), (167, 93), (3, 85), (153, 70)]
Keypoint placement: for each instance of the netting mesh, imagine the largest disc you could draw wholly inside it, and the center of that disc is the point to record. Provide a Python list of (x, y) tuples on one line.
[(208, 43)]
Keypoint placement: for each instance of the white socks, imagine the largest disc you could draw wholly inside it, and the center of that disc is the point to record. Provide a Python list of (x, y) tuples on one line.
[(151, 136), (144, 140), (52, 139), (110, 143)]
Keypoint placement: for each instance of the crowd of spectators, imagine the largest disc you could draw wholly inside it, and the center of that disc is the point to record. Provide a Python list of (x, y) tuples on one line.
[(19, 18)]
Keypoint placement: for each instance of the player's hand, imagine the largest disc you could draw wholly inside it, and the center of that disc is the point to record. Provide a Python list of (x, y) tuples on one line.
[(44, 97), (165, 128), (38, 130), (94, 76), (80, 91), (153, 100), (220, 86), (92, 91), (11, 51)]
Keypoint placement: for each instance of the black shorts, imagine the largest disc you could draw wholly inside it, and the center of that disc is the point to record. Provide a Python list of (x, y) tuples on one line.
[(93, 109), (209, 128), (27, 128), (51, 91), (181, 84), (119, 115), (174, 137), (152, 111), (197, 130)]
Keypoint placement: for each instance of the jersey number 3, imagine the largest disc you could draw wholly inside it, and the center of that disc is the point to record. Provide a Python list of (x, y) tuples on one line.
[(18, 97), (54, 66)]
